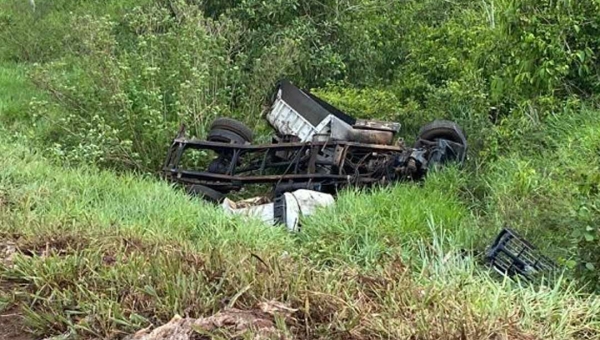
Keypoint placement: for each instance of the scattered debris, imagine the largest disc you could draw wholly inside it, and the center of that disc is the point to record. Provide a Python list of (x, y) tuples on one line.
[(276, 308), (316, 147), (246, 203), (8, 251), (65, 336), (109, 259), (286, 209), (512, 255), (232, 321)]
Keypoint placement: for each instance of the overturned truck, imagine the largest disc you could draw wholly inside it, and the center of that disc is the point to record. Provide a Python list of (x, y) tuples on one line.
[(315, 146)]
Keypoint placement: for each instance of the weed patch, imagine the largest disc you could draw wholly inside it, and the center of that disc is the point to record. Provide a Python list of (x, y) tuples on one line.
[(83, 266)]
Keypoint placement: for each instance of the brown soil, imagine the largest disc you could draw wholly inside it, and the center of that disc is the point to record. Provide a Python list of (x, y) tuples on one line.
[(11, 325), (11, 319)]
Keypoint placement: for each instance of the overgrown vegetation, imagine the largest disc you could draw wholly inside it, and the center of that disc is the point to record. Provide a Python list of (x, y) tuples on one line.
[(104, 256), (132, 73), (88, 85)]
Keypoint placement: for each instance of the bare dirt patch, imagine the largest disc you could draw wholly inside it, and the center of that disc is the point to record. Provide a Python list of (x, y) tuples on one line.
[(12, 327), (11, 320)]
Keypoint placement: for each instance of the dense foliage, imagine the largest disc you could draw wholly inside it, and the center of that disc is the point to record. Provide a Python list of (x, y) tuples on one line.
[(118, 77)]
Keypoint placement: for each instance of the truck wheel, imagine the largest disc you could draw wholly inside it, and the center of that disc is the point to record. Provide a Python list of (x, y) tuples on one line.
[(235, 126), (225, 136), (441, 129), (205, 192)]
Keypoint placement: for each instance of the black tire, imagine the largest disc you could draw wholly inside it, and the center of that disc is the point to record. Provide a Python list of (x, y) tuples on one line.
[(205, 192), (225, 136), (235, 126), (219, 165), (441, 129)]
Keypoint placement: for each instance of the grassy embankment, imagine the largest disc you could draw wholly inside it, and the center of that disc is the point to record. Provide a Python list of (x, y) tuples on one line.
[(105, 254)]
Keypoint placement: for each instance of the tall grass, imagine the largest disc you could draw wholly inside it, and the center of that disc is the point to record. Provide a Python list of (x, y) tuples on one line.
[(16, 94), (104, 255)]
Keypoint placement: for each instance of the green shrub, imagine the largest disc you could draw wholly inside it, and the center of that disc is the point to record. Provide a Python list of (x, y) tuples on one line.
[(43, 32), (133, 74), (554, 47), (120, 106), (367, 103)]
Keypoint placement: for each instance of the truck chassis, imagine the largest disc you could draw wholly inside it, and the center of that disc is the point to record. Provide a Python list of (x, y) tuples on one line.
[(321, 165)]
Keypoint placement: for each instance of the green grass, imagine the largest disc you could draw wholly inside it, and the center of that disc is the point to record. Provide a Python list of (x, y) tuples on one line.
[(362, 228), (104, 255), (365, 227), (16, 93), (546, 185), (135, 203)]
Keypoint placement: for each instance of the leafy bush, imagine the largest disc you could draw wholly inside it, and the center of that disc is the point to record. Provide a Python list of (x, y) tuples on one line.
[(129, 77), (369, 103), (43, 32), (554, 47), (124, 104)]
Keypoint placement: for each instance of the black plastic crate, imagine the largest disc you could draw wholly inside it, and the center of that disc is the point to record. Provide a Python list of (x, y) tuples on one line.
[(512, 255)]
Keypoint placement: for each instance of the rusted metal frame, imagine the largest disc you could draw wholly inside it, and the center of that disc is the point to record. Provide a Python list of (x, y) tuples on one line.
[(377, 125), (296, 160), (354, 166), (340, 148), (372, 147), (216, 146), (264, 162), (363, 159), (169, 159), (258, 167), (262, 165), (198, 144), (314, 153), (379, 172), (234, 161), (209, 176), (342, 157), (351, 165), (180, 149)]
